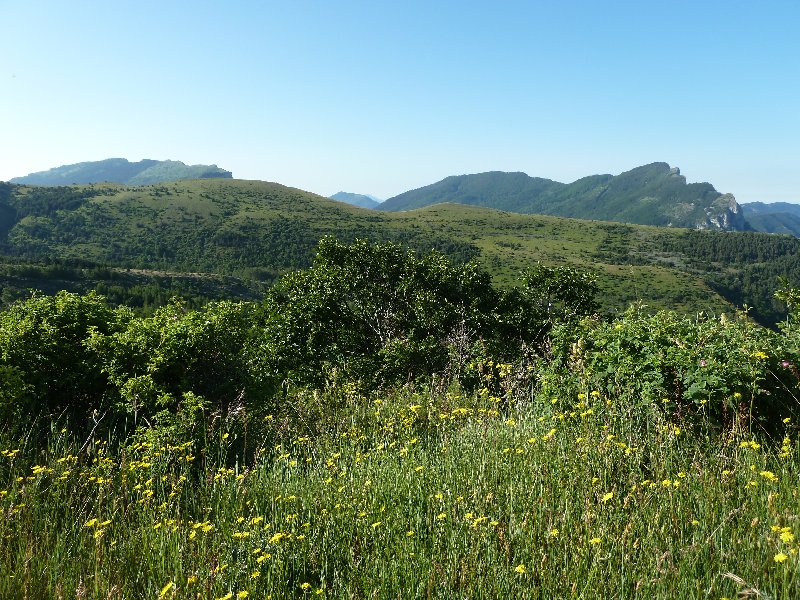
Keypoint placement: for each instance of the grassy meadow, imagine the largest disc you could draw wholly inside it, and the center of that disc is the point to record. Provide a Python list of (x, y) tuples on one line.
[(408, 495)]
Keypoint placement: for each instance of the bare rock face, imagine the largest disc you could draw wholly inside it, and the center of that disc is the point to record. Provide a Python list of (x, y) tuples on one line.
[(724, 214)]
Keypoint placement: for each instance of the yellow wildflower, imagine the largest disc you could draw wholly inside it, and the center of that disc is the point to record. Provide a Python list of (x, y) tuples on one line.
[(166, 589)]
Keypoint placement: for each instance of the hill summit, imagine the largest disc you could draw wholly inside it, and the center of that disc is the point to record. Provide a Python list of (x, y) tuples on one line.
[(120, 170), (654, 194)]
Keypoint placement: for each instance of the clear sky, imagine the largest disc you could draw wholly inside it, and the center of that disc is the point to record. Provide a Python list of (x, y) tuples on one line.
[(380, 97)]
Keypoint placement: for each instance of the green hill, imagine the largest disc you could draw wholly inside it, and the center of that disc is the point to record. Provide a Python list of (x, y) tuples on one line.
[(654, 194), (120, 170), (231, 238), (786, 223), (505, 191)]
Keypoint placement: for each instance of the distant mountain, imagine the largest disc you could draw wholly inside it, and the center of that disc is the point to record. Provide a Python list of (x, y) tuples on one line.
[(120, 170), (766, 208), (362, 200), (786, 223), (775, 217), (654, 194)]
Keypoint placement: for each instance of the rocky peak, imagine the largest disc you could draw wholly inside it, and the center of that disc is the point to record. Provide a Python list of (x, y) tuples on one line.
[(725, 214)]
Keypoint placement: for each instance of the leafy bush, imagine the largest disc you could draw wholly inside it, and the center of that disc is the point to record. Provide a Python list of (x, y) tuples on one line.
[(48, 367), (378, 313), (730, 373), (378, 316), (154, 363)]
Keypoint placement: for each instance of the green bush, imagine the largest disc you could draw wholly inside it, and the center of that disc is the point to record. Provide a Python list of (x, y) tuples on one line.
[(154, 362), (378, 313), (48, 367), (727, 372)]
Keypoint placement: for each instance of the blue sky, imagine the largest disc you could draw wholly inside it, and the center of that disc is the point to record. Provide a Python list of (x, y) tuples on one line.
[(379, 97)]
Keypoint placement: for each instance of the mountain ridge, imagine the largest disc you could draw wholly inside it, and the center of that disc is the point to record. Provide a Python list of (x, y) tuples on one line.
[(653, 194), (122, 171), (774, 217)]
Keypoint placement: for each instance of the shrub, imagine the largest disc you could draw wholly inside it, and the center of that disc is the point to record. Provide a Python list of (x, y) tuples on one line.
[(48, 367), (728, 372), (379, 313)]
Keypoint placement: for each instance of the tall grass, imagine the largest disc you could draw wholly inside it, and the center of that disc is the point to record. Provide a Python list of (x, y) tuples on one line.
[(438, 495)]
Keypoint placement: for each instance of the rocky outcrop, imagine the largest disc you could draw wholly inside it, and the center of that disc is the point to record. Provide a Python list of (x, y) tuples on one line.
[(724, 214)]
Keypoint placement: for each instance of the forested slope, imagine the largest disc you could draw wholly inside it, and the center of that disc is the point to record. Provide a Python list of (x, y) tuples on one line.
[(228, 238)]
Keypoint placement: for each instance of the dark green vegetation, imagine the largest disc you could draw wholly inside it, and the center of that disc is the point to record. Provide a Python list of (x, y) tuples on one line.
[(653, 194), (120, 170), (212, 239), (372, 314), (392, 424), (356, 199)]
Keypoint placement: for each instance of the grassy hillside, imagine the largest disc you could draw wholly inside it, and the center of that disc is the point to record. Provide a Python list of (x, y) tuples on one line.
[(253, 231), (654, 194)]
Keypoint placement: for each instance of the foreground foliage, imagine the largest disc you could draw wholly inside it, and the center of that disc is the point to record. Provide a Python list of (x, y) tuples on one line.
[(388, 424), (436, 495)]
